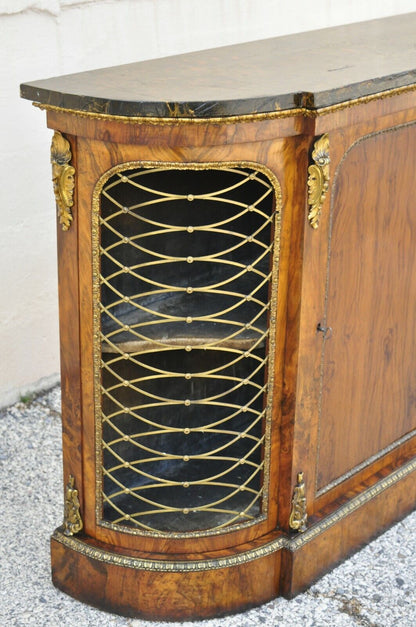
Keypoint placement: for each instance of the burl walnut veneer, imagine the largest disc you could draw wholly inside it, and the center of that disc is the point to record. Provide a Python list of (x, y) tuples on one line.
[(237, 286)]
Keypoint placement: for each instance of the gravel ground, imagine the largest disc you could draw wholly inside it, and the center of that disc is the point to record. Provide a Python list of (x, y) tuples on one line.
[(374, 588)]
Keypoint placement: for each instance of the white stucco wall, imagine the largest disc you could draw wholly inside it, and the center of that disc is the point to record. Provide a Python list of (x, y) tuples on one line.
[(42, 38)]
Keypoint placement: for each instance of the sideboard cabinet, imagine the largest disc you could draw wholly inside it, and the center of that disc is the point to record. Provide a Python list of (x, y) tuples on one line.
[(237, 287)]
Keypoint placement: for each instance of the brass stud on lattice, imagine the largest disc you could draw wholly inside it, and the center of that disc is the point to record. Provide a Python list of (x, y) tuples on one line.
[(147, 333)]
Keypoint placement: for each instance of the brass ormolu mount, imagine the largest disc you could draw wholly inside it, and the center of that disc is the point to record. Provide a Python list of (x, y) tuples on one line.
[(63, 176), (298, 516), (318, 179), (72, 517)]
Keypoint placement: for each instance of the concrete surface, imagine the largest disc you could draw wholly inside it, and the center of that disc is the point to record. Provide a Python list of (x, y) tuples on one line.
[(374, 588)]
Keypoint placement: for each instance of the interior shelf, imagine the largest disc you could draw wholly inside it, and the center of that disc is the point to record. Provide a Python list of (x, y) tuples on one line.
[(185, 292), (157, 320)]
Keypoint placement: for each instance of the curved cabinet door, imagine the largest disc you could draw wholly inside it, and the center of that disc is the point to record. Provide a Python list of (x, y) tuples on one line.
[(185, 283)]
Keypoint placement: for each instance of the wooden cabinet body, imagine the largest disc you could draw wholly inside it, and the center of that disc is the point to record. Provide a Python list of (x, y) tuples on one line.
[(336, 429)]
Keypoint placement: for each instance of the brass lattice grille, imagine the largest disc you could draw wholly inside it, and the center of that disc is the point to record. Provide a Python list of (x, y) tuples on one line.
[(186, 279)]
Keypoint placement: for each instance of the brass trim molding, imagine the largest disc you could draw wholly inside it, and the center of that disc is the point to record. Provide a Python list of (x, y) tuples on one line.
[(164, 121), (318, 179), (366, 463), (291, 544), (108, 557), (353, 505), (63, 178), (96, 202), (72, 517), (232, 119), (298, 516)]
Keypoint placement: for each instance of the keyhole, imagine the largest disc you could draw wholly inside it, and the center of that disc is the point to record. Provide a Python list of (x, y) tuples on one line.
[(326, 331)]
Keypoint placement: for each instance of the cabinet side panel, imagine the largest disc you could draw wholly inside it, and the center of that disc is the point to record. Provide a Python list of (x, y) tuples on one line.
[(368, 398), (69, 315)]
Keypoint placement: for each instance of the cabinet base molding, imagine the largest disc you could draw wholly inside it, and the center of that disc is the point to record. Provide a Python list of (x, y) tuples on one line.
[(191, 587), (155, 590)]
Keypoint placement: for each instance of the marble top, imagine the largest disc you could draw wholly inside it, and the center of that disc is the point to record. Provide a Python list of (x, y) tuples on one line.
[(312, 70)]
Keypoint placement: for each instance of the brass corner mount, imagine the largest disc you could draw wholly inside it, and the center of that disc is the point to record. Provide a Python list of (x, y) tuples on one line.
[(63, 177), (298, 516), (72, 517), (318, 179)]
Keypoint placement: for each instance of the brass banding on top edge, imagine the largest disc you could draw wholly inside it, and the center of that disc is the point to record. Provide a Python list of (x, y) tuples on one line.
[(232, 119)]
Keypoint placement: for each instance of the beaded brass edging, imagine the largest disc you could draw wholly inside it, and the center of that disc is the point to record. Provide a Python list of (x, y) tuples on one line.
[(96, 204), (169, 565), (353, 505), (291, 544), (232, 119), (366, 463)]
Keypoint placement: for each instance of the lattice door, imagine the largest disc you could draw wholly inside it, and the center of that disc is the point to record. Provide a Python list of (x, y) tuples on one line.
[(187, 284)]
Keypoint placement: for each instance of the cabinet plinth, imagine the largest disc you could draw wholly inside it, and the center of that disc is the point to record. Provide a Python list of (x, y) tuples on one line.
[(237, 310)]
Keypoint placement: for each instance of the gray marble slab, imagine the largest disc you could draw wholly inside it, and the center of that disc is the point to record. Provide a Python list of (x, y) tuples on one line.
[(314, 69)]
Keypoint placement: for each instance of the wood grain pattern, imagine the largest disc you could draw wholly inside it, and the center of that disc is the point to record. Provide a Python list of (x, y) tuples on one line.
[(191, 595), (367, 232), (369, 380), (164, 596), (303, 566), (69, 332), (346, 127)]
